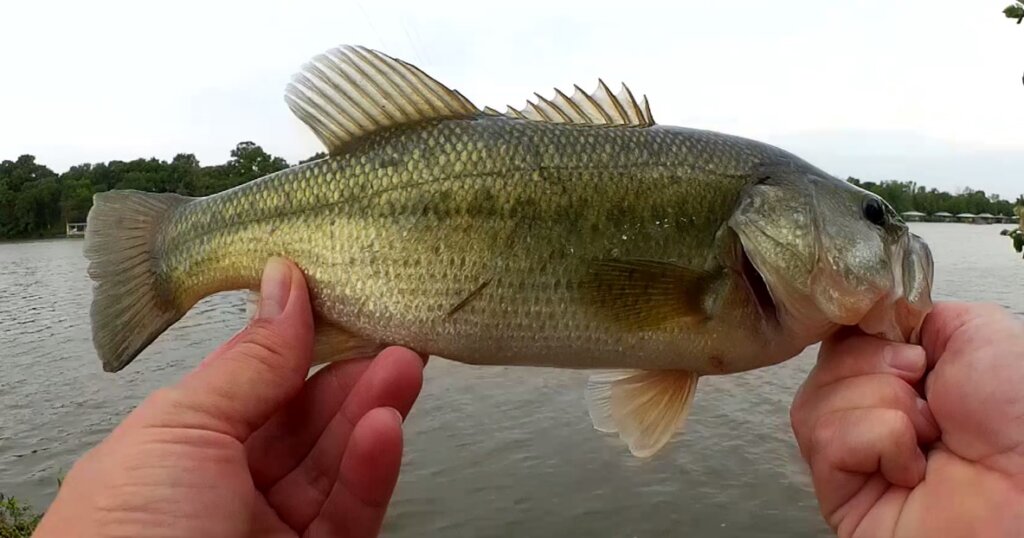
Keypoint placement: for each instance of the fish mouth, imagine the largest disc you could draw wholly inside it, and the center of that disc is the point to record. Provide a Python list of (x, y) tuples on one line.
[(758, 288), (899, 317)]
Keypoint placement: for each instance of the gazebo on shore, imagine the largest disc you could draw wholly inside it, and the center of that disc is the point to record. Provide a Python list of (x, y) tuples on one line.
[(913, 216)]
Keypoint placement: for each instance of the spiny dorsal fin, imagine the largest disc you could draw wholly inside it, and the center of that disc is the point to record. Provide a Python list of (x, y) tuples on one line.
[(352, 91), (599, 108)]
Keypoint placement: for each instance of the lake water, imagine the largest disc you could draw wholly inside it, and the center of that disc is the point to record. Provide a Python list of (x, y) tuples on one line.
[(491, 451)]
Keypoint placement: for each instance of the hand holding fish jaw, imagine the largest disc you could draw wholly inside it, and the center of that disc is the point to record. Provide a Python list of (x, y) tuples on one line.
[(246, 446), (886, 462)]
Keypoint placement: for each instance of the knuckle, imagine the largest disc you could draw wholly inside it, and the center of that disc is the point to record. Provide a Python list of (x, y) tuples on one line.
[(796, 413), (264, 341), (796, 423), (896, 423), (265, 350), (164, 398), (825, 431), (893, 392), (799, 411), (991, 307)]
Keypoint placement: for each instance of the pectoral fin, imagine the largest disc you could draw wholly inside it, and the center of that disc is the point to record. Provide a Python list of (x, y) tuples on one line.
[(646, 294), (645, 407)]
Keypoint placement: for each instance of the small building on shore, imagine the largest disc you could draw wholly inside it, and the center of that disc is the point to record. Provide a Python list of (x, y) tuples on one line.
[(74, 229), (966, 217), (985, 218), (943, 216), (913, 216)]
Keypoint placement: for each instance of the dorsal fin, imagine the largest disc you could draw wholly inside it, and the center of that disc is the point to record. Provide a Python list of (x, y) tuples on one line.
[(352, 91), (599, 108)]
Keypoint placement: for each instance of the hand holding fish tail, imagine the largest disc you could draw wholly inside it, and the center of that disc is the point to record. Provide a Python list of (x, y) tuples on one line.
[(245, 446), (887, 462)]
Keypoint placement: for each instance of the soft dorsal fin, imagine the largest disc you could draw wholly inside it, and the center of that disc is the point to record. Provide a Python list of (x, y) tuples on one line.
[(599, 108), (352, 91)]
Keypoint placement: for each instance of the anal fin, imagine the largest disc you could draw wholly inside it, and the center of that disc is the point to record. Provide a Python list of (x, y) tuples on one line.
[(645, 407), (331, 342)]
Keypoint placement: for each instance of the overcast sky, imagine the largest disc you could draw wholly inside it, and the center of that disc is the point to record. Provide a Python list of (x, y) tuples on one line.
[(920, 90)]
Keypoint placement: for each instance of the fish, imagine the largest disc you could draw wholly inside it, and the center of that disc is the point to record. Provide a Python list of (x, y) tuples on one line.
[(572, 232)]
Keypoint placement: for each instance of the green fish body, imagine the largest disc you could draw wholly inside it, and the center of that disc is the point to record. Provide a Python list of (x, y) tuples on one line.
[(575, 233)]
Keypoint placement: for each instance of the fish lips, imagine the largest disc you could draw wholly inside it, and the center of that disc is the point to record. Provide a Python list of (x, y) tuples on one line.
[(899, 315)]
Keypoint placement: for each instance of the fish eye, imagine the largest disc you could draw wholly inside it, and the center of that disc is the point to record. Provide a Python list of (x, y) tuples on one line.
[(874, 212)]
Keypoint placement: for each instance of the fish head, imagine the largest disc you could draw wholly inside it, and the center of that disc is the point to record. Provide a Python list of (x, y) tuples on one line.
[(832, 254)]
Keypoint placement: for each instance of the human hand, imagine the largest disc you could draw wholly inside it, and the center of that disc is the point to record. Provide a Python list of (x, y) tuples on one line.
[(886, 462), (245, 446)]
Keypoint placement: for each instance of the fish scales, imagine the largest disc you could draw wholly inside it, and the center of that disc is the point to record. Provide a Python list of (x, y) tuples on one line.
[(396, 232)]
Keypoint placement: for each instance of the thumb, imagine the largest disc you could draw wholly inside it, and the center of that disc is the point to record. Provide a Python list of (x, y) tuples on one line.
[(244, 382)]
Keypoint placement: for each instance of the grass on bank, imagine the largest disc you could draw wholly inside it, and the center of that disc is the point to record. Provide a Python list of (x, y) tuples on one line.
[(17, 519)]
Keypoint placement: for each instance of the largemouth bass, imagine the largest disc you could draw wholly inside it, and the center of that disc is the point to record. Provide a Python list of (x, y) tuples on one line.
[(574, 232)]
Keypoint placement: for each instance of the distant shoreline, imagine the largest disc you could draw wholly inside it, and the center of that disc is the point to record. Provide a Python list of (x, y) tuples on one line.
[(39, 238)]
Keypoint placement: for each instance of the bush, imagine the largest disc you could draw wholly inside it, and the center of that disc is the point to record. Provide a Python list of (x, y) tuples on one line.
[(17, 520), (1018, 239)]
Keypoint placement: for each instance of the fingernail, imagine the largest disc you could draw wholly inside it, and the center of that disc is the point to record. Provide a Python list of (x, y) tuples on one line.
[(275, 288), (396, 413), (906, 358)]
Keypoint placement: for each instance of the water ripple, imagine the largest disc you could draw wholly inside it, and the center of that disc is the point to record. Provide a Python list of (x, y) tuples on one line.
[(491, 451)]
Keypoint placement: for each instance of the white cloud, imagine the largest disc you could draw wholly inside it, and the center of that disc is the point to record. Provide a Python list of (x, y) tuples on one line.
[(92, 81)]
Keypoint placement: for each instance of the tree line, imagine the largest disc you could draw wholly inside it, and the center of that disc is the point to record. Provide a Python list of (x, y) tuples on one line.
[(909, 196), (37, 202)]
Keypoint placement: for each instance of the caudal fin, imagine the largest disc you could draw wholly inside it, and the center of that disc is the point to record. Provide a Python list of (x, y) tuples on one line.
[(130, 306)]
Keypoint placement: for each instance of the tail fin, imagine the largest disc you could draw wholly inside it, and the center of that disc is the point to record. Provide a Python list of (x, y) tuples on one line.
[(129, 306)]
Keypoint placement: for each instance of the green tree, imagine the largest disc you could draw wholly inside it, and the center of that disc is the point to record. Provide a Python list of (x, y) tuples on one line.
[(249, 162), (29, 198), (75, 199), (1015, 11), (315, 157), (184, 173)]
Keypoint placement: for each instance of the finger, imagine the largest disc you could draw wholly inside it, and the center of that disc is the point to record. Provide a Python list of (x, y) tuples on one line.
[(847, 356), (860, 354), (946, 319), (366, 478), (393, 380), (866, 391), (286, 439), (244, 382), (849, 446)]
